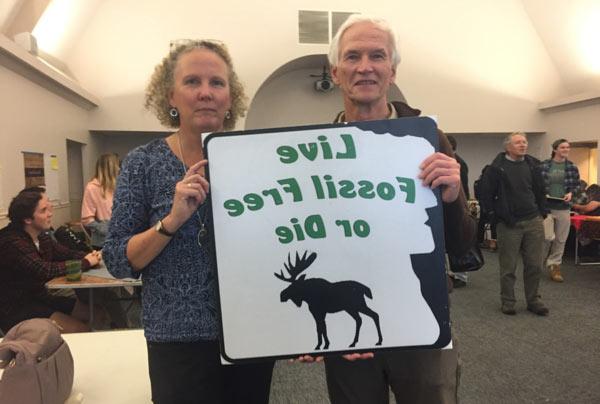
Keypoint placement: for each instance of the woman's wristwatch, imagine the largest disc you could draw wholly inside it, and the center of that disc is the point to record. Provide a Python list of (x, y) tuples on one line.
[(161, 229)]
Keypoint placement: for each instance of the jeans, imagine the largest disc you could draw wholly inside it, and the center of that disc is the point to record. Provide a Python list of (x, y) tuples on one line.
[(556, 228)]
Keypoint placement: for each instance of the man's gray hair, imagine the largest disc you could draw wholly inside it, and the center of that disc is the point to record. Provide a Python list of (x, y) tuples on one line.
[(508, 138), (334, 50)]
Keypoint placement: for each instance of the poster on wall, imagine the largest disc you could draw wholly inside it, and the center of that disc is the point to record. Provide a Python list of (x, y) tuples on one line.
[(326, 241), (51, 171), (34, 169)]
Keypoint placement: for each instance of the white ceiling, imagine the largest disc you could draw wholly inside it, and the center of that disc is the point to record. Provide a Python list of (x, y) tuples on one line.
[(568, 28), (560, 25)]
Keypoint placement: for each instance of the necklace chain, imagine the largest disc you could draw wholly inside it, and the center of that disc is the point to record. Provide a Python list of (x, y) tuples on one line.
[(203, 232)]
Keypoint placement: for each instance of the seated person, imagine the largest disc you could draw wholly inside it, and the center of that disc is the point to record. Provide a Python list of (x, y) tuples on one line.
[(589, 243), (96, 208), (592, 207), (28, 259), (581, 198)]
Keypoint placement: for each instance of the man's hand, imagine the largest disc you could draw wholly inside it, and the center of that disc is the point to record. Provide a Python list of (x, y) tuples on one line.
[(307, 359), (349, 357), (440, 170), (358, 356), (94, 258)]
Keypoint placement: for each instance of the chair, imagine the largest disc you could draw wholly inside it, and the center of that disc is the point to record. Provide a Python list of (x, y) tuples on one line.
[(589, 230)]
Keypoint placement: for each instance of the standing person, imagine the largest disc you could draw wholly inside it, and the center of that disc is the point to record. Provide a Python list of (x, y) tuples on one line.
[(561, 178), (513, 195), (96, 208), (460, 279), (159, 231), (363, 58), (29, 258)]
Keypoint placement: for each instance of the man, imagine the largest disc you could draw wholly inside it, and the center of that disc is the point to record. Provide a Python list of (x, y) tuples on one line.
[(363, 59), (28, 259), (513, 195)]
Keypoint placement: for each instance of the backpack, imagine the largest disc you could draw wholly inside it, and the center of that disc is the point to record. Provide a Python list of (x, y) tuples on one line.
[(37, 363), (477, 184), (74, 240)]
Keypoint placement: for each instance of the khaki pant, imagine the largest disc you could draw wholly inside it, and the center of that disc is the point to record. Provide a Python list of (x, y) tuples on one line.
[(525, 239), (556, 230)]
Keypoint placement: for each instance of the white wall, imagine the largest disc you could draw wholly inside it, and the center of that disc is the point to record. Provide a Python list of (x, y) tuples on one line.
[(576, 122), (122, 143), (476, 64), (479, 149), (37, 120)]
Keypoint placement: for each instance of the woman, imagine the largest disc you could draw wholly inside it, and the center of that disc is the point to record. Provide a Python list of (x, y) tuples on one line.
[(96, 211), (561, 179), (96, 208), (159, 230)]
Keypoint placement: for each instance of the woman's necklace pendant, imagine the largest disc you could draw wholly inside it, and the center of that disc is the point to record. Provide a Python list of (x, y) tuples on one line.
[(202, 235)]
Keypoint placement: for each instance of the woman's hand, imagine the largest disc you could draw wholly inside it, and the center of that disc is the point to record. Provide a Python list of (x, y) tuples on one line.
[(568, 197), (190, 193), (439, 169)]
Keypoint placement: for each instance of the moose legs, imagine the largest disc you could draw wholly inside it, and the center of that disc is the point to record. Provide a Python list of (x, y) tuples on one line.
[(368, 312), (319, 317), (321, 329), (358, 320)]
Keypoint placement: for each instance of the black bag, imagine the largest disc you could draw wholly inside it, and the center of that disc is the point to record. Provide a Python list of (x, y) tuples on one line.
[(71, 239), (472, 260)]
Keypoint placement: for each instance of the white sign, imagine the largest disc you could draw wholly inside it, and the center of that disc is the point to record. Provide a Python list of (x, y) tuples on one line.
[(316, 230)]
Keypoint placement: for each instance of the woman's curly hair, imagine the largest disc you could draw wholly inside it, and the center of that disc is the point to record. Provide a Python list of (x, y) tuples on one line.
[(162, 82)]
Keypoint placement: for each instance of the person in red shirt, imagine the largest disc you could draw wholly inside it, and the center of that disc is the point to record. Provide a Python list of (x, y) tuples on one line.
[(29, 258)]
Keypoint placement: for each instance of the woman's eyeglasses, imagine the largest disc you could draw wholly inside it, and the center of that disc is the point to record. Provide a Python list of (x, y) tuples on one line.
[(175, 43)]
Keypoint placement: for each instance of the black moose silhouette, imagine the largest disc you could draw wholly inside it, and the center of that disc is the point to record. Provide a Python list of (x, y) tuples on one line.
[(325, 297)]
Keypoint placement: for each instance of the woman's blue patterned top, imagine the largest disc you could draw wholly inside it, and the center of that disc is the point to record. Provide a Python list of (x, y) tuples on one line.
[(179, 286)]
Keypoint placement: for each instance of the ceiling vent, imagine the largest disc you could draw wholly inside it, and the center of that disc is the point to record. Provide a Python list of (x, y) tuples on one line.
[(318, 27)]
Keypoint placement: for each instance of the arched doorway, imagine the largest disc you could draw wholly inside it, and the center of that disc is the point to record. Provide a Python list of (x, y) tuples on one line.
[(288, 96)]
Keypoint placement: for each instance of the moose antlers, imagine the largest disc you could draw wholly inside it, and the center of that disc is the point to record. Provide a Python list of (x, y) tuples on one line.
[(294, 270)]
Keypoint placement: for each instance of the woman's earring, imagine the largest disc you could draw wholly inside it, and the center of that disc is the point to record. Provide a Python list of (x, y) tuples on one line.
[(173, 112), (228, 114)]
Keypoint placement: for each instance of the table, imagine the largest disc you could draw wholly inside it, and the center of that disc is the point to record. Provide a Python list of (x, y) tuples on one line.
[(94, 278), (577, 221), (110, 367)]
